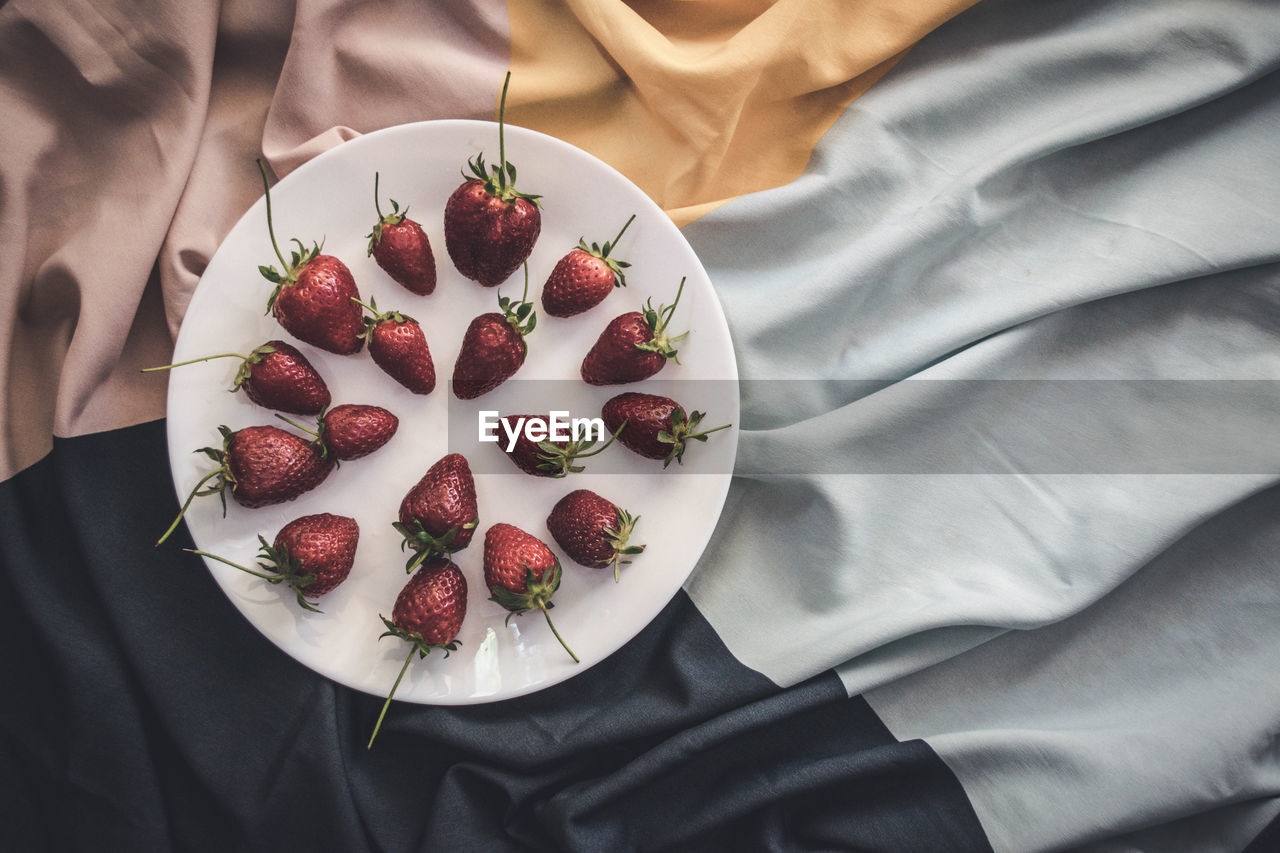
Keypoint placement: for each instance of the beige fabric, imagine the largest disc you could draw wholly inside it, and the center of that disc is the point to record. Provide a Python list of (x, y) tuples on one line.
[(127, 151), (700, 102)]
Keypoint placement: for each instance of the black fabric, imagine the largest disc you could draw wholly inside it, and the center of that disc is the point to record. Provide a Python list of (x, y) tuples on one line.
[(141, 712)]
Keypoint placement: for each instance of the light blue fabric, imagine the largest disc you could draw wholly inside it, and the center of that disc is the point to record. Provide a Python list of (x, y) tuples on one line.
[(1039, 191)]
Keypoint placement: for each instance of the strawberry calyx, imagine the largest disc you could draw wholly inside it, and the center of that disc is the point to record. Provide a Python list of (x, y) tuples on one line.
[(376, 317), (657, 320), (537, 596), (275, 565), (395, 217), (222, 477), (499, 180), (424, 545), (421, 646), (520, 314), (558, 460), (245, 373), (683, 430), (601, 253), (293, 267), (617, 539)]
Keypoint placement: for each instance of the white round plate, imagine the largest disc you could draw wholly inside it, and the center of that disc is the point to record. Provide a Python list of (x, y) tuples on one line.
[(331, 199)]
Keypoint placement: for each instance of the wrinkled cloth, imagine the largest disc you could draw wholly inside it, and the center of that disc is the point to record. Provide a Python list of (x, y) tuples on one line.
[(998, 565)]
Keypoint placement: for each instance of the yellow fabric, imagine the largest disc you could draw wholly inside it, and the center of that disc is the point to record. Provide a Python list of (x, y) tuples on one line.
[(700, 101)]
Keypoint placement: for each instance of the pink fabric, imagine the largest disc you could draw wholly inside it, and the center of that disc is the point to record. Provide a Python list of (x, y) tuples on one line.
[(127, 151)]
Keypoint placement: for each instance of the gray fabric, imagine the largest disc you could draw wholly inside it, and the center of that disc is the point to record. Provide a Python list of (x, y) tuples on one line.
[(1040, 191)]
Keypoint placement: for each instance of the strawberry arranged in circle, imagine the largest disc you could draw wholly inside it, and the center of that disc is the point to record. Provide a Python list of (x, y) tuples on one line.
[(427, 615), (354, 430), (402, 248), (593, 530), (313, 295), (548, 457), (260, 466), (351, 430), (654, 426), (522, 574), (634, 346), (439, 514), (399, 346), (275, 376), (311, 555), (493, 347), (584, 277), (489, 226)]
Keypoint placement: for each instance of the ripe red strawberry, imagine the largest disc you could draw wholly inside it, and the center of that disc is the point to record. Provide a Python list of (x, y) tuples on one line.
[(313, 295), (311, 554), (633, 346), (398, 345), (260, 465), (440, 513), (402, 248), (428, 615), (275, 376), (489, 226), (584, 277), (351, 430), (593, 530), (546, 458), (493, 347), (654, 426), (522, 573)]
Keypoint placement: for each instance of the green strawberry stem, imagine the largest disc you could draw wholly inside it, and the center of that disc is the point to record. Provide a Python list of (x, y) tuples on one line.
[(187, 504), (271, 230), (657, 320), (395, 217), (502, 141), (294, 423), (394, 687), (552, 626), (194, 361), (263, 575), (614, 241), (520, 314)]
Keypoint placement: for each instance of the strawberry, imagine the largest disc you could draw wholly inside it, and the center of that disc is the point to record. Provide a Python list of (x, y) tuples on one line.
[(428, 615), (260, 465), (654, 426), (401, 248), (546, 458), (275, 376), (522, 573), (311, 554), (493, 347), (633, 346), (398, 345), (593, 530), (489, 226), (439, 514), (584, 277), (313, 294), (351, 430)]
